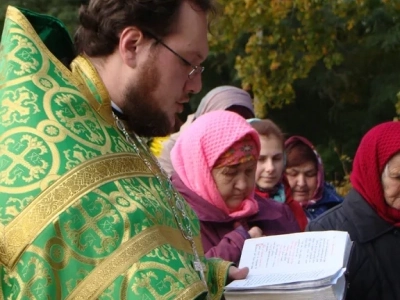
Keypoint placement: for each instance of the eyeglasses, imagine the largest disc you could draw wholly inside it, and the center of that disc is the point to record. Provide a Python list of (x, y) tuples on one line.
[(195, 69)]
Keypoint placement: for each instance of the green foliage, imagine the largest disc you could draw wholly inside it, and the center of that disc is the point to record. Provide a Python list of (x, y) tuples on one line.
[(328, 70), (288, 39)]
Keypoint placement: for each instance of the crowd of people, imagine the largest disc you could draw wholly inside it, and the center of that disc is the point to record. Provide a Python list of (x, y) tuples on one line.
[(88, 212), (244, 180), (288, 171)]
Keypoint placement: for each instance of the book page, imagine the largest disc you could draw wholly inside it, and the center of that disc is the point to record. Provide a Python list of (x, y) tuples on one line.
[(276, 281), (322, 293), (295, 253)]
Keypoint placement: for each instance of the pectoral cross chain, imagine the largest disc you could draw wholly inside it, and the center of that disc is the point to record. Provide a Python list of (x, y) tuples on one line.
[(198, 266)]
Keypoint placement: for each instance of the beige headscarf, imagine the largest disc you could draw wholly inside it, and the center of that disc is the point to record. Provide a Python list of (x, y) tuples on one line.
[(219, 98)]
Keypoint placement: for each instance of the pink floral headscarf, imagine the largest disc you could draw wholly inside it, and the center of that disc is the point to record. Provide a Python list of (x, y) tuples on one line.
[(200, 146), (240, 152)]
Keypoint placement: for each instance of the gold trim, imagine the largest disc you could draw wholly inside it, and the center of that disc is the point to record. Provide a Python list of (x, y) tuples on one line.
[(82, 65), (222, 269), (69, 188), (193, 291), (127, 256)]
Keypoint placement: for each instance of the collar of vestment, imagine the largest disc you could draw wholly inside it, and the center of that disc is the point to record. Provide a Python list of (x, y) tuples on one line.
[(93, 88)]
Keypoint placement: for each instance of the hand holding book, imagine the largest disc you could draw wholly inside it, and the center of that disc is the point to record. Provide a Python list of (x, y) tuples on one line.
[(294, 262)]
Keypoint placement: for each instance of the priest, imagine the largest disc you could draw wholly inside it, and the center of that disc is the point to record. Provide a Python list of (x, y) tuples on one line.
[(85, 211)]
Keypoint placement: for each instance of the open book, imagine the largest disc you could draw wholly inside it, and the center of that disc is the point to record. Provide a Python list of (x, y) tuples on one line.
[(306, 265)]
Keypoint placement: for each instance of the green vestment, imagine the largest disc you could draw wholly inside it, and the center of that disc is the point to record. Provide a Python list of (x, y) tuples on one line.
[(81, 214)]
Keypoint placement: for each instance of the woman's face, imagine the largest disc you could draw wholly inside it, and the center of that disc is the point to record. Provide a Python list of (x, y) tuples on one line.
[(391, 182), (235, 183), (303, 181), (270, 163)]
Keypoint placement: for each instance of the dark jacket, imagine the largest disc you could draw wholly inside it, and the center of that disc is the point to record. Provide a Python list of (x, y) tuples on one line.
[(329, 199), (373, 271), (223, 236)]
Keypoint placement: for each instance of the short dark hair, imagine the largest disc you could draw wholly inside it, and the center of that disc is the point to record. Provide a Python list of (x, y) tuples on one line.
[(101, 21)]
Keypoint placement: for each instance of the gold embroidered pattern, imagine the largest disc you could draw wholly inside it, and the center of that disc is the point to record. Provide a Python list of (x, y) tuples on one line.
[(69, 188), (17, 17), (17, 106), (25, 163), (78, 118), (27, 63), (169, 285), (126, 258), (91, 225)]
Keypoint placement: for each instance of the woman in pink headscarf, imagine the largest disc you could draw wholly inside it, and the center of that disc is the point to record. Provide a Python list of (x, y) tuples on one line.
[(215, 160), (221, 98)]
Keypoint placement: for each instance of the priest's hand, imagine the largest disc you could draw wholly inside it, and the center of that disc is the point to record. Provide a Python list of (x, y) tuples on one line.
[(235, 273)]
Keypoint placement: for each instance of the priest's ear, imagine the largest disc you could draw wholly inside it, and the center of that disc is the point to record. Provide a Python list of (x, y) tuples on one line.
[(133, 44)]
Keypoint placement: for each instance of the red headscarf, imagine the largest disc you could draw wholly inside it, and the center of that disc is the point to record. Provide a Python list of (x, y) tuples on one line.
[(295, 206), (377, 147)]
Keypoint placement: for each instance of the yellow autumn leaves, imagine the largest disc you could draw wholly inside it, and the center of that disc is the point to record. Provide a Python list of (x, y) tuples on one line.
[(285, 40)]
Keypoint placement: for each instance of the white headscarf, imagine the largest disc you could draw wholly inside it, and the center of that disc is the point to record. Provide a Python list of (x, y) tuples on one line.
[(220, 98)]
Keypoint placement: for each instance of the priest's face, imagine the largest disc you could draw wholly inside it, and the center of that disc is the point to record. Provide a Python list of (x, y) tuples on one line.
[(163, 84), (141, 108)]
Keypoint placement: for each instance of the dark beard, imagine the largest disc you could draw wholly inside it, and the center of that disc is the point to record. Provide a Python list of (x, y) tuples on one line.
[(141, 110)]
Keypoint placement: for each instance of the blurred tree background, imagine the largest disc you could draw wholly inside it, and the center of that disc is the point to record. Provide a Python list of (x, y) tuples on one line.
[(65, 10), (328, 70), (325, 69)]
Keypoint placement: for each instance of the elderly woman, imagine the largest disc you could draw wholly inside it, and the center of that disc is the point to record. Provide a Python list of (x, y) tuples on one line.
[(305, 175), (215, 160), (221, 98), (371, 215)]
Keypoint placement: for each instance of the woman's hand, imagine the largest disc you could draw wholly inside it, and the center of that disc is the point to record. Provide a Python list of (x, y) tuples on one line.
[(255, 232)]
